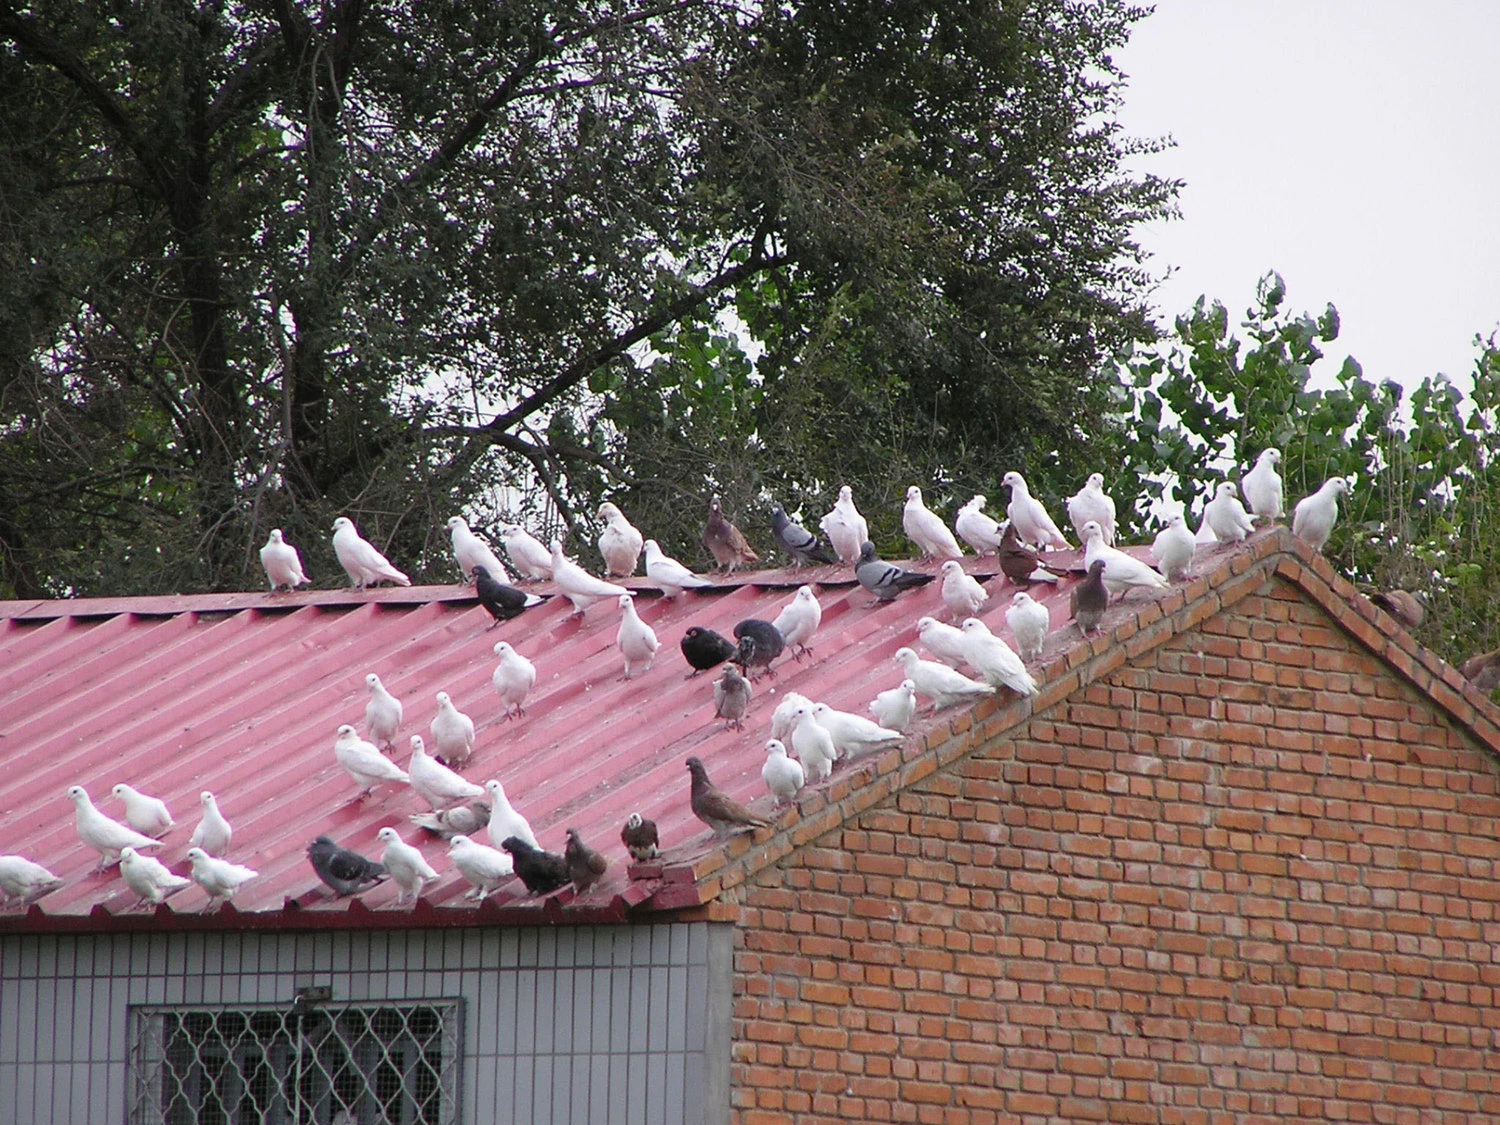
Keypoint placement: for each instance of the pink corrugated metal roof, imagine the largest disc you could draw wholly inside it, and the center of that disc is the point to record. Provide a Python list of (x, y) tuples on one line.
[(242, 694)]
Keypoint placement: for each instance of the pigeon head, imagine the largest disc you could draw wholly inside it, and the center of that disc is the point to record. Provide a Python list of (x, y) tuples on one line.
[(913, 494), (418, 747), (196, 855), (846, 494), (1272, 455), (627, 602), (1013, 479), (867, 552), (276, 535), (950, 567), (121, 790), (973, 626), (343, 522), (127, 855), (459, 843), (444, 699), (714, 506), (776, 748), (455, 522), (388, 835), (322, 845), (573, 837), (1096, 480), (502, 648), (608, 512), (77, 794), (1021, 598), (1092, 530), (1226, 488), (207, 799), (373, 681), (1096, 570), (905, 656), (977, 501), (346, 731), (515, 846), (634, 820), (695, 767), (805, 594)]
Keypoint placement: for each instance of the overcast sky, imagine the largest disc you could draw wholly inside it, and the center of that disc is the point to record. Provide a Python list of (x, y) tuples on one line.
[(1352, 145)]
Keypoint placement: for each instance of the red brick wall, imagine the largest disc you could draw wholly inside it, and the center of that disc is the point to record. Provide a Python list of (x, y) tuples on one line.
[(1250, 876)]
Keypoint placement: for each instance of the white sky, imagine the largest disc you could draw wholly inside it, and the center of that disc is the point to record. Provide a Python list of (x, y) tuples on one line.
[(1352, 145)]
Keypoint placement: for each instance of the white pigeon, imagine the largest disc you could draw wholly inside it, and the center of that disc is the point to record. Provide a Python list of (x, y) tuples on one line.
[(620, 542), (962, 592), (854, 734), (364, 565), (469, 551), (23, 881), (531, 558), (364, 762), (484, 868), (1314, 516), (149, 877), (635, 639), (105, 836), (944, 641), (1173, 549), (214, 831), (452, 732), (383, 713), (670, 574), (1029, 515), (895, 707), (784, 718), (943, 685), (799, 620), (995, 660), (505, 820), (1226, 516), (1091, 502), (147, 815), (977, 529), (926, 528), (434, 782), (218, 877), (408, 867), (578, 585), (1261, 486), (814, 745), (282, 563), (783, 776), (845, 527), (514, 677), (1029, 622), (1121, 571)]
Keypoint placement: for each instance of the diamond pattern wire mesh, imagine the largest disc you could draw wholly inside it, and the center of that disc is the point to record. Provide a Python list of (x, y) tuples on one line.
[(336, 1064)]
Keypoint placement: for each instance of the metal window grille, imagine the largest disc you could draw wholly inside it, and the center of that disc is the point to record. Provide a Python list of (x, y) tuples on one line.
[(333, 1064)]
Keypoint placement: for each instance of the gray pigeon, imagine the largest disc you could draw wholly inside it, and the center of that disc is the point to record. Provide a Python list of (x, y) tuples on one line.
[(732, 694), (797, 541), (885, 580), (1090, 599), (346, 872)]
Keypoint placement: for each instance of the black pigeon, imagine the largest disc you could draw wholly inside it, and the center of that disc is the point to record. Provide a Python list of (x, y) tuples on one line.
[(797, 541), (542, 872), (885, 580), (346, 872), (585, 866), (639, 837), (503, 602), (705, 648), (1090, 598), (760, 643)]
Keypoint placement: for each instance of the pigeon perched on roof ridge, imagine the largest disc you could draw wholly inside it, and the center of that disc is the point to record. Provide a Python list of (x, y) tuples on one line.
[(1174, 548), (146, 814), (1091, 502), (783, 776), (926, 528), (1226, 516), (962, 593), (528, 554), (1314, 516), (1262, 486), (669, 574), (585, 865), (362, 562), (282, 563), (460, 820), (945, 686), (578, 585), (483, 868), (797, 541), (760, 642), (640, 837), (407, 866), (434, 782), (470, 551), (732, 695), (1029, 622), (799, 620), (219, 878), (1020, 563), (846, 529), (24, 881), (541, 871), (726, 542), (976, 528), (620, 542), (895, 707), (885, 580), (1029, 515), (1089, 599)]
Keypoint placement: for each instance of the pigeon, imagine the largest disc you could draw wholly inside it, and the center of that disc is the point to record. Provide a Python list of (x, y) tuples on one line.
[(799, 620), (343, 871), (502, 602), (1173, 549), (716, 808), (282, 563), (846, 528), (784, 718), (383, 714), (1261, 486), (1226, 516), (669, 574), (1029, 516), (724, 541), (620, 542), (505, 820), (527, 554), (815, 747), (783, 776), (895, 707), (514, 677), (1089, 599), (636, 640), (149, 877), (1122, 572), (797, 541), (213, 832), (1091, 502), (760, 642), (585, 866), (407, 866), (578, 585), (470, 551), (704, 649), (1314, 516), (977, 529), (460, 820), (945, 686), (218, 877), (147, 815), (639, 837), (885, 580), (543, 872), (1029, 622), (1483, 670), (22, 881), (995, 660), (1020, 563), (854, 734), (943, 641), (364, 565), (364, 762), (434, 782), (1405, 607), (926, 529), (732, 694), (452, 733), (962, 592), (105, 836), (484, 868)]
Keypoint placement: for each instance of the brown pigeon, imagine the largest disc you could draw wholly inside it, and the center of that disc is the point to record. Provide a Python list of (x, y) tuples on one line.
[(724, 540), (1404, 607), (715, 808), (1484, 670), (585, 866), (639, 837), (1019, 562), (1090, 599), (732, 694)]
